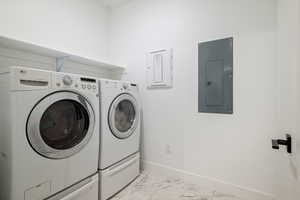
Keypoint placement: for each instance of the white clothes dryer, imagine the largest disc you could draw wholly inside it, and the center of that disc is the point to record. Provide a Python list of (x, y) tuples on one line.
[(120, 109), (120, 121)]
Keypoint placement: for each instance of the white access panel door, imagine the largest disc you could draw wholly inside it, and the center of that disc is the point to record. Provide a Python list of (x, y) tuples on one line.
[(115, 178), (160, 69), (88, 192)]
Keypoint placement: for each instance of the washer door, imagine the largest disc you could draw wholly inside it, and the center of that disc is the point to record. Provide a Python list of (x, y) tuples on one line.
[(60, 125), (123, 116)]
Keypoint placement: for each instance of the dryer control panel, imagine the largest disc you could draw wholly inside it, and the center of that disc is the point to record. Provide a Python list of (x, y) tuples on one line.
[(77, 82), (123, 86)]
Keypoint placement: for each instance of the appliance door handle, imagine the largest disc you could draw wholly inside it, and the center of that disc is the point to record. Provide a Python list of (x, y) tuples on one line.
[(79, 191), (122, 166)]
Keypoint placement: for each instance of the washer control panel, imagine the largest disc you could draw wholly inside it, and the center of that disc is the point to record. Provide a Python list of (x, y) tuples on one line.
[(122, 86), (82, 83)]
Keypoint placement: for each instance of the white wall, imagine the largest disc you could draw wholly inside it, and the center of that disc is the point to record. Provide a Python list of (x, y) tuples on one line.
[(288, 64), (289, 73), (73, 26), (232, 148)]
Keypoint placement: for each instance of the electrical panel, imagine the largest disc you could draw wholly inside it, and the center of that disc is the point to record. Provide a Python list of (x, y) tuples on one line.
[(215, 76)]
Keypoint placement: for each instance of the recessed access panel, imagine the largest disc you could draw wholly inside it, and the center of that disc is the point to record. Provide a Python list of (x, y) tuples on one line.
[(215, 76), (160, 69)]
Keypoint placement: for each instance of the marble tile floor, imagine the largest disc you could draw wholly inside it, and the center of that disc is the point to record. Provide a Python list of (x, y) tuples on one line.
[(152, 187)]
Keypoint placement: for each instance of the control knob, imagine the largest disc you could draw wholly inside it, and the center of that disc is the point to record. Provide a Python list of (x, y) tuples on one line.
[(67, 80), (125, 86)]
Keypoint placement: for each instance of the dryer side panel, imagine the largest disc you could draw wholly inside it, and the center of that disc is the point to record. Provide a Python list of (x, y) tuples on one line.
[(5, 137)]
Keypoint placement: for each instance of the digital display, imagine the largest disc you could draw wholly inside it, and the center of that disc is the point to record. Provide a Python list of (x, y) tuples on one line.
[(90, 80)]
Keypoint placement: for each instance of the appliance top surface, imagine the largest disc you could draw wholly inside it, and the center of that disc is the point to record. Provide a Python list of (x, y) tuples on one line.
[(13, 68), (24, 79)]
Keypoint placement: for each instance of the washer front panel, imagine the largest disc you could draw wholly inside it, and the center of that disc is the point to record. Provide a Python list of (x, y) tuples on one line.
[(123, 116), (60, 125)]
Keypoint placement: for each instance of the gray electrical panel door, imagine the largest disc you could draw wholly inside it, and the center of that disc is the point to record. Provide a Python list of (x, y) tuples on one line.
[(215, 76)]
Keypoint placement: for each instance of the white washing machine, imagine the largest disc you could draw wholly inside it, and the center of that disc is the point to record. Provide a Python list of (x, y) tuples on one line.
[(49, 132), (119, 135)]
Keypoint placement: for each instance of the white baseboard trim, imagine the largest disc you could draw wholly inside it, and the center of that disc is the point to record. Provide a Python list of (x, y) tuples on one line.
[(214, 184)]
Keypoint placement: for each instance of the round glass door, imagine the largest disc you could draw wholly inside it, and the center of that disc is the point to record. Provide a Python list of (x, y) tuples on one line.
[(60, 125), (123, 116)]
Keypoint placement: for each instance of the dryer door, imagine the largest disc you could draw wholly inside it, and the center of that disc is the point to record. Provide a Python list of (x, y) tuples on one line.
[(60, 125), (123, 116)]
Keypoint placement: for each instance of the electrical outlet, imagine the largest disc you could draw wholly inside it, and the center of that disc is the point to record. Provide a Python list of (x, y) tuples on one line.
[(168, 149)]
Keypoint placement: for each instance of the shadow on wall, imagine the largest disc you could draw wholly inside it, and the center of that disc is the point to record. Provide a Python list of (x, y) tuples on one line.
[(142, 149)]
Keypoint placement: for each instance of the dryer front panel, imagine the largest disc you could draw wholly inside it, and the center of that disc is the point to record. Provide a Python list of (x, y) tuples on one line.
[(123, 116), (60, 125)]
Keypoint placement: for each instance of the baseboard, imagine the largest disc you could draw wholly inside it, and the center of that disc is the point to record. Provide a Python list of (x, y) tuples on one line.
[(215, 185)]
